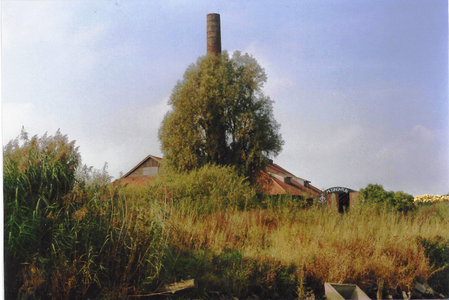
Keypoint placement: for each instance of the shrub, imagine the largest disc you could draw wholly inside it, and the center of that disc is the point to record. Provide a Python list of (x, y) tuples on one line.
[(437, 250), (374, 194), (205, 190), (119, 241), (403, 202)]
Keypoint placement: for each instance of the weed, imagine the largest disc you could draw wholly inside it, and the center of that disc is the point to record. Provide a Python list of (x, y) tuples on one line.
[(83, 238)]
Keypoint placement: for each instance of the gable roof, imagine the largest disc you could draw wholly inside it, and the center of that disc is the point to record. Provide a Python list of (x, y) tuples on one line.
[(158, 159), (278, 170), (279, 187), (273, 171)]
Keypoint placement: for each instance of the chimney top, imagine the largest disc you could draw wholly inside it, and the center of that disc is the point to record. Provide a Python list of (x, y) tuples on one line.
[(213, 34)]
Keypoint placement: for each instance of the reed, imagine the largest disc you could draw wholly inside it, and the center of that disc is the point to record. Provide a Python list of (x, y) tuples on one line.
[(363, 246), (67, 238)]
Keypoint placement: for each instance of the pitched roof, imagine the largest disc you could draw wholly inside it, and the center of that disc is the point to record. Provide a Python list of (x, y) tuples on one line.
[(275, 187), (278, 170), (279, 187), (158, 159)]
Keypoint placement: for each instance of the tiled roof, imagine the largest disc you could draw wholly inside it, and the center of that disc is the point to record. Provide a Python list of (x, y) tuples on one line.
[(279, 187), (315, 189), (278, 170), (274, 186)]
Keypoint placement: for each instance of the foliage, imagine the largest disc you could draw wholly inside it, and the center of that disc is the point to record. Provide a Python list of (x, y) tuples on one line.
[(121, 241), (37, 172), (437, 250), (45, 190), (403, 202), (375, 194), (109, 241), (205, 190), (231, 274), (89, 176), (220, 115)]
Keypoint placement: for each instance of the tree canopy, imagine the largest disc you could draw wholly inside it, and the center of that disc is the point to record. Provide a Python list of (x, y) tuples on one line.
[(376, 195), (220, 115)]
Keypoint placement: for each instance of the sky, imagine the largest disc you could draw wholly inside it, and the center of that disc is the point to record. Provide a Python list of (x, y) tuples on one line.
[(360, 87)]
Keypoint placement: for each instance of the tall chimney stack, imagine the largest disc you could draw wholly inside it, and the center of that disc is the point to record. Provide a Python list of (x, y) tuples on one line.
[(213, 34)]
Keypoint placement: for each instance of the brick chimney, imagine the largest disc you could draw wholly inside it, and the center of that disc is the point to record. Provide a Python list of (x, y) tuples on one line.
[(213, 34)]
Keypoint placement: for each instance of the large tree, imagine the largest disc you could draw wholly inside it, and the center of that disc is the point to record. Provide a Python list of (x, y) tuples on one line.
[(220, 115)]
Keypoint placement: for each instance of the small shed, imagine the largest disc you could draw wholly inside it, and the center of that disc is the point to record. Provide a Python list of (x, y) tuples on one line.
[(143, 171), (341, 197)]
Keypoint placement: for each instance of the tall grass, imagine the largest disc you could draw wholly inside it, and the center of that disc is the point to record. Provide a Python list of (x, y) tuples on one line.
[(374, 248), (73, 237), (117, 245), (362, 246), (88, 239), (37, 172)]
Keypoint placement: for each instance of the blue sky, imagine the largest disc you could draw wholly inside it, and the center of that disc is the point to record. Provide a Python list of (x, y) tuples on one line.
[(360, 87)]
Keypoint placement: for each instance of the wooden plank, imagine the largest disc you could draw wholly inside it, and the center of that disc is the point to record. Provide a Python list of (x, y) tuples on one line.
[(178, 286), (170, 288)]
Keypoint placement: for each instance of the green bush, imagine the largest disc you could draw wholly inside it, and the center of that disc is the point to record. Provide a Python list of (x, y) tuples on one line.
[(437, 250), (205, 190), (403, 202), (374, 194)]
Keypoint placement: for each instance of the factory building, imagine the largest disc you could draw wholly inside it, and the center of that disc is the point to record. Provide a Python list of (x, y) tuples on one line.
[(275, 179)]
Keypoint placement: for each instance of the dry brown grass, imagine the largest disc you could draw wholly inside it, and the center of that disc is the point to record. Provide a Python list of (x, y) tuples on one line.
[(362, 246)]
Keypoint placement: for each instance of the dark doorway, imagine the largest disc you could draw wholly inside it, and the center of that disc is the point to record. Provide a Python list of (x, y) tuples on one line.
[(343, 202), (342, 199)]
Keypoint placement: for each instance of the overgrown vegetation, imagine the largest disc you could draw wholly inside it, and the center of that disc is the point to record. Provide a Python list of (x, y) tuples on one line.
[(71, 236), (374, 194), (37, 173)]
